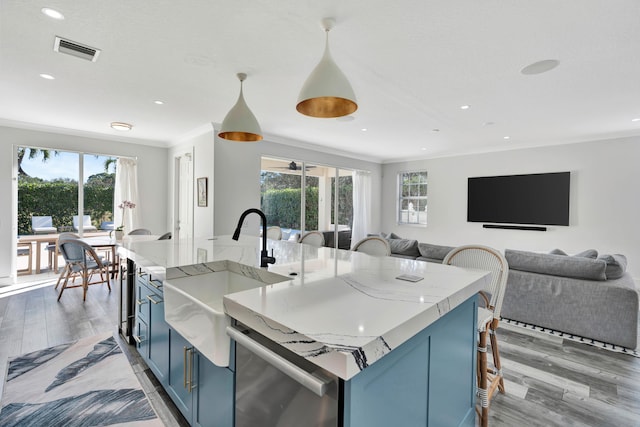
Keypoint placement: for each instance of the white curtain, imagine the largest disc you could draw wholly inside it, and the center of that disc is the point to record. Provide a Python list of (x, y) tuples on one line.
[(126, 189), (361, 205)]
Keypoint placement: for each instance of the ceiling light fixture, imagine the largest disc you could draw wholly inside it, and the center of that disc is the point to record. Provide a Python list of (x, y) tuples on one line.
[(506, 137), (240, 124), (121, 126), (158, 102), (637, 119), (327, 93), (465, 107), (52, 13), (47, 76)]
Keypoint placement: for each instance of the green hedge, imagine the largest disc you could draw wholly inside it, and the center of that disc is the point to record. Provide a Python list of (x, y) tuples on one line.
[(60, 201), (282, 207)]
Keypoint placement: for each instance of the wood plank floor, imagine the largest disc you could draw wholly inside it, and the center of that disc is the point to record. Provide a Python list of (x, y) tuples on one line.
[(549, 381)]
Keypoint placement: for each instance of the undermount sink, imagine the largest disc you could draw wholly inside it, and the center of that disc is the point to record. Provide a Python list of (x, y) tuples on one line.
[(193, 305)]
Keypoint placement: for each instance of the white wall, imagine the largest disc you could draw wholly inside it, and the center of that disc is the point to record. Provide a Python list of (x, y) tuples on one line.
[(202, 149), (604, 205), (237, 179), (151, 178)]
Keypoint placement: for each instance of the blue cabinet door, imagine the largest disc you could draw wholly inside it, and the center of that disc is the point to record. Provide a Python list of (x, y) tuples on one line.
[(215, 397), (180, 371), (158, 359)]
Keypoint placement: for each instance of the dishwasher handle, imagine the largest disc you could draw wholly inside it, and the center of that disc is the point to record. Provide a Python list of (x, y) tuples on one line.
[(315, 384)]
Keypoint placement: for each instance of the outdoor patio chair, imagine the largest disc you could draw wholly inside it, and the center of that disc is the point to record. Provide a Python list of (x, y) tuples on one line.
[(86, 223), (81, 260), (42, 225)]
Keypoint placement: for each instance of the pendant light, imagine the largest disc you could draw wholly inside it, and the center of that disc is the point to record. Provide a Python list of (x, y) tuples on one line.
[(240, 124), (327, 93)]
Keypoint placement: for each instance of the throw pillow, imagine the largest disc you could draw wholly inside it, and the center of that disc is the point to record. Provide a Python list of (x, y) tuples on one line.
[(404, 247), (616, 265), (393, 236), (558, 252), (589, 253)]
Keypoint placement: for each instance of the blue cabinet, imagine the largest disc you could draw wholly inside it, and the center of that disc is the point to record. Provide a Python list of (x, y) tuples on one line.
[(202, 391), (427, 381)]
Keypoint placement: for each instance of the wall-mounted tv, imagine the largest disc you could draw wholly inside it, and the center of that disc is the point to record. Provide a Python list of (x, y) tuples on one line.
[(541, 198)]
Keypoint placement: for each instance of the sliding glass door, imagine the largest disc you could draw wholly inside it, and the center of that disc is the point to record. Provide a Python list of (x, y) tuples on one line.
[(326, 204)]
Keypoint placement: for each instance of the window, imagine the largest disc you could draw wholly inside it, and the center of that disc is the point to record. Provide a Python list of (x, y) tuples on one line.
[(412, 191)]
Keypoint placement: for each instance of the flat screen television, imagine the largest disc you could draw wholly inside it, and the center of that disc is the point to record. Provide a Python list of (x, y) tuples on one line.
[(541, 199)]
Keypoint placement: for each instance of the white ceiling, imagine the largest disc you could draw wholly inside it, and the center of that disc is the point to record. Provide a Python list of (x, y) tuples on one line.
[(412, 64)]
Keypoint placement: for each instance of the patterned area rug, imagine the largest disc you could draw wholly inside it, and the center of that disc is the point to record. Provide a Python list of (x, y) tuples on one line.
[(85, 383), (521, 326)]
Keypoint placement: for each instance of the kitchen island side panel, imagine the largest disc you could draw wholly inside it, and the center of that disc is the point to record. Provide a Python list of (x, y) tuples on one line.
[(427, 381)]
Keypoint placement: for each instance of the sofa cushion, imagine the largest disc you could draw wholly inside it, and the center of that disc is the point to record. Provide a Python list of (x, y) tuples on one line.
[(616, 265), (557, 265), (589, 253), (434, 252), (393, 236), (405, 247)]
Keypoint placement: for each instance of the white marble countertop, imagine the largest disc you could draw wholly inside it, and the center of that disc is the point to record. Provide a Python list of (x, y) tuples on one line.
[(342, 310)]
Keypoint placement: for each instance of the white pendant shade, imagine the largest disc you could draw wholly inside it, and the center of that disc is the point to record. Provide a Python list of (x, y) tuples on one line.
[(240, 124), (327, 93)]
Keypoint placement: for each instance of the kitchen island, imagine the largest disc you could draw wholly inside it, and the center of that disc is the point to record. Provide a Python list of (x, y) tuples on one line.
[(401, 352)]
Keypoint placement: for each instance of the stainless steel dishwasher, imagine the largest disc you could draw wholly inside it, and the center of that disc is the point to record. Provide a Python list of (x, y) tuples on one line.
[(275, 387)]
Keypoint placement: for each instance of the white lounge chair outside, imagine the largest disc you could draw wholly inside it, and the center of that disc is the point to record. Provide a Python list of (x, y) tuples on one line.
[(86, 223)]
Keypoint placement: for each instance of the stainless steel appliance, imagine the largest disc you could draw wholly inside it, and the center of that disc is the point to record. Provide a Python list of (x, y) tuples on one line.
[(277, 388)]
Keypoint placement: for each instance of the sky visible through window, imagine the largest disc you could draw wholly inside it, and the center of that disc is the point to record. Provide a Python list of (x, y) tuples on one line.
[(63, 165)]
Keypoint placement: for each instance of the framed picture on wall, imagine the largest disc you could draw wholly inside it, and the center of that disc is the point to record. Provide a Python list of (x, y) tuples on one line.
[(202, 191)]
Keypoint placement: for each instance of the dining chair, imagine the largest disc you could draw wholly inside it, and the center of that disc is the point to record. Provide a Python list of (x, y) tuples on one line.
[(140, 232), (373, 245), (165, 236), (274, 233), (25, 249), (81, 260), (486, 258), (313, 238)]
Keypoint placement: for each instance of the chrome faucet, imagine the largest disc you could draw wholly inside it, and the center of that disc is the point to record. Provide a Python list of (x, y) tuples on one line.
[(265, 259)]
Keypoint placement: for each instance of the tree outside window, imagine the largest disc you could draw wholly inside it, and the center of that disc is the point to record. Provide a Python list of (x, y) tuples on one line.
[(412, 192)]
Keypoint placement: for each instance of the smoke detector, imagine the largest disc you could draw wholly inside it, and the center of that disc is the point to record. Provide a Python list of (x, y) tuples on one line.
[(76, 49)]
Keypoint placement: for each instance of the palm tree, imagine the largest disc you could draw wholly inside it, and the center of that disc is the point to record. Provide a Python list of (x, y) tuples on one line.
[(31, 153)]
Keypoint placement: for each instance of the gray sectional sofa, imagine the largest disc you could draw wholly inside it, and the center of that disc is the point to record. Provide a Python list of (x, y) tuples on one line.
[(585, 295), (589, 296)]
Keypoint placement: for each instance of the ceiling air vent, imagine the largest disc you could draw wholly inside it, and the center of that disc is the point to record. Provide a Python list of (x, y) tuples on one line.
[(76, 49)]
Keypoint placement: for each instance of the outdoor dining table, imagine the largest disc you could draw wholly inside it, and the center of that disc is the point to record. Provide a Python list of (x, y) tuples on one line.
[(100, 241)]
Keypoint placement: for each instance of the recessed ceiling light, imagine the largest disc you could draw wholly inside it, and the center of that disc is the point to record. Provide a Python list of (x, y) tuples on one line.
[(488, 124), (121, 126), (424, 148), (465, 107), (540, 67), (47, 76), (506, 137), (52, 13), (363, 129), (435, 130), (158, 102), (637, 119)]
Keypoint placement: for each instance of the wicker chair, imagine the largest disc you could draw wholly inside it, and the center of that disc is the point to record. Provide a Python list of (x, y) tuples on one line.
[(313, 238), (81, 260), (485, 258), (373, 245)]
